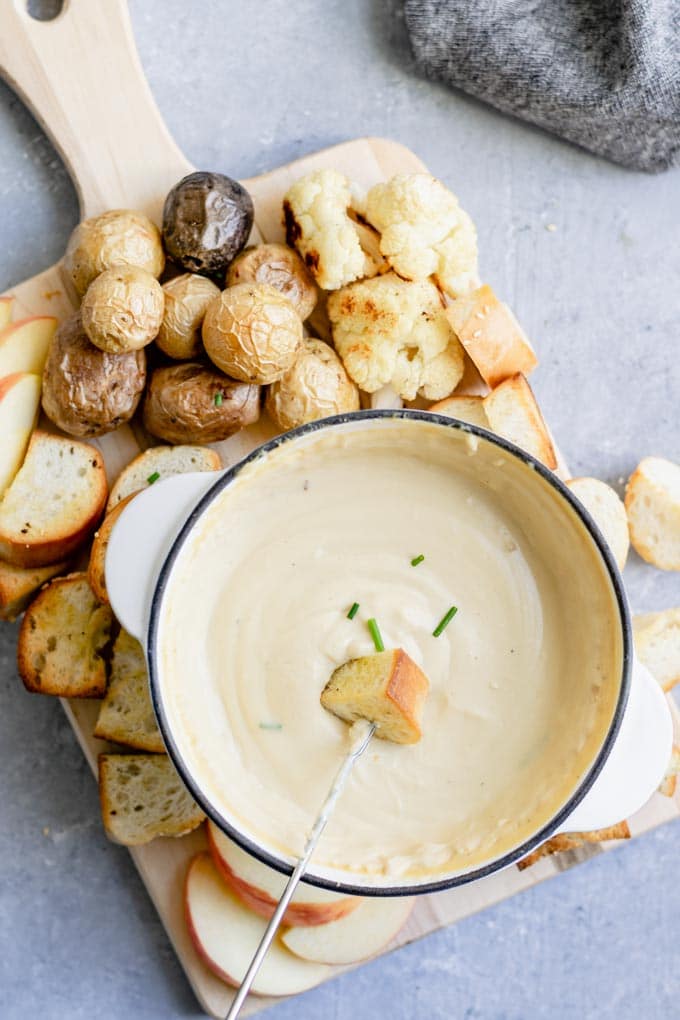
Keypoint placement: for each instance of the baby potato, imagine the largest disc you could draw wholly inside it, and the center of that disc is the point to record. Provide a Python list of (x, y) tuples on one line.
[(123, 309), (282, 268), (186, 299), (190, 403), (87, 392), (252, 332), (315, 386), (120, 237)]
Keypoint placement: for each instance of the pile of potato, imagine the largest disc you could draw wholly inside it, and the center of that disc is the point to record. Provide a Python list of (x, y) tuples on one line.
[(188, 325)]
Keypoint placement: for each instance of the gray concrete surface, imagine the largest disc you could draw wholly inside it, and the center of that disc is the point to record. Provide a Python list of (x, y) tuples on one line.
[(245, 87)]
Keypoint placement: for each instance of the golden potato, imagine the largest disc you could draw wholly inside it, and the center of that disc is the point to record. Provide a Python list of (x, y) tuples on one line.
[(315, 386), (120, 237), (252, 332), (190, 403), (186, 300), (280, 267), (123, 309)]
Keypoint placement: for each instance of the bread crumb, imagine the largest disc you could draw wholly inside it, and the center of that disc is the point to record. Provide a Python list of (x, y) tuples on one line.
[(551, 227), (46, 830)]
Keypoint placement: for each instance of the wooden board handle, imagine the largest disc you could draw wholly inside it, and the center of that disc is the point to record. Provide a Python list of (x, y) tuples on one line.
[(81, 77)]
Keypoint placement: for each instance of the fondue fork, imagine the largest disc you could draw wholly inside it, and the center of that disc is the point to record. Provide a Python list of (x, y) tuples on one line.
[(357, 749)]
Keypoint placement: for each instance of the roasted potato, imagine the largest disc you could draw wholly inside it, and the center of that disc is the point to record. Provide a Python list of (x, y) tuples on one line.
[(87, 392), (123, 309), (120, 237), (315, 386), (186, 300), (252, 332), (190, 403), (282, 268)]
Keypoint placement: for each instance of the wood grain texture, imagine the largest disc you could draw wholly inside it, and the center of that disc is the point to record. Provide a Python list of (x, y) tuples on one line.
[(120, 154)]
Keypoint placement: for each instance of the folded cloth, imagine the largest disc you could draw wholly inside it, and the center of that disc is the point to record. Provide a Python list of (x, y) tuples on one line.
[(602, 73)]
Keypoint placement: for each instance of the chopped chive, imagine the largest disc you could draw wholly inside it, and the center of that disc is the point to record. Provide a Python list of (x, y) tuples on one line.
[(416, 560), (218, 399), (376, 635), (271, 726), (153, 478), (353, 611), (445, 621)]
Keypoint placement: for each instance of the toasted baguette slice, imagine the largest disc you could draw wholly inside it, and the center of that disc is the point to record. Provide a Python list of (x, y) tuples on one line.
[(653, 508), (574, 840), (608, 512), (142, 797), (63, 639), (387, 688), (19, 584), (96, 570), (657, 643), (514, 414), (126, 715), (162, 461), (669, 782), (54, 503), (491, 335), (467, 409)]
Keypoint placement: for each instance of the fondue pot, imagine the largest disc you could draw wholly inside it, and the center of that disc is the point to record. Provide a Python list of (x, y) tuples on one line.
[(157, 528)]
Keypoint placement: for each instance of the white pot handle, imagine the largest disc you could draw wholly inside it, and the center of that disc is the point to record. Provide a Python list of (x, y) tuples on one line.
[(140, 541), (637, 762)]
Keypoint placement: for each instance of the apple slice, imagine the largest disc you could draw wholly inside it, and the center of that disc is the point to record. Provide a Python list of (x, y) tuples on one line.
[(23, 344), (260, 887), (5, 311), (226, 934), (19, 406), (355, 937)]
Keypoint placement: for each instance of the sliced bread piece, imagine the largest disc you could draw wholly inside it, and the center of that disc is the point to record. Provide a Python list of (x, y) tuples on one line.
[(142, 797), (161, 462), (491, 335), (387, 688), (657, 644), (63, 641), (669, 782), (126, 715), (653, 508), (514, 414), (574, 840), (54, 502), (608, 512), (96, 571), (19, 584), (467, 409)]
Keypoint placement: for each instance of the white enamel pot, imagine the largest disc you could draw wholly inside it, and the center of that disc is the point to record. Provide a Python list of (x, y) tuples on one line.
[(623, 774)]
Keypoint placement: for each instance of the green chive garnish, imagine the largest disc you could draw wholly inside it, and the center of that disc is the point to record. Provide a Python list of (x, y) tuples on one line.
[(445, 621), (416, 560), (376, 635), (271, 726), (153, 478), (218, 399), (353, 611)]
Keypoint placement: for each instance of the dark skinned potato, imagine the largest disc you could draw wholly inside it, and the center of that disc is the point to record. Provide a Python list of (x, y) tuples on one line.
[(88, 392), (280, 267), (190, 403), (207, 218)]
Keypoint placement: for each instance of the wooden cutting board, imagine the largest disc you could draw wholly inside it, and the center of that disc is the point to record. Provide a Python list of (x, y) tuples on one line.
[(81, 77)]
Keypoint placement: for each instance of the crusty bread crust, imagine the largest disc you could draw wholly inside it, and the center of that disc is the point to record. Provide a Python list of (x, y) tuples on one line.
[(608, 512), (96, 573), (491, 335), (167, 461), (50, 534), (19, 584), (469, 409), (657, 644), (573, 840), (652, 503), (514, 414)]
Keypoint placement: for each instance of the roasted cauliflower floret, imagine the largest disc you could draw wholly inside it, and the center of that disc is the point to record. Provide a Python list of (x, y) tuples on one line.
[(318, 225), (424, 232), (389, 330)]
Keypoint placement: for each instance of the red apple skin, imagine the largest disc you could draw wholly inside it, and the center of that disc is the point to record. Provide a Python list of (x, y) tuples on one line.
[(297, 915), (8, 381), (193, 934)]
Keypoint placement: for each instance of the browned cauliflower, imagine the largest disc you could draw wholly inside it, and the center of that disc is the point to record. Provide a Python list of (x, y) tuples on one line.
[(392, 331), (318, 225), (424, 232)]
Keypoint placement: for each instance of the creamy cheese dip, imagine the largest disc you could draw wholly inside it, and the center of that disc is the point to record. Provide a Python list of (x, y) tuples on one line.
[(523, 681)]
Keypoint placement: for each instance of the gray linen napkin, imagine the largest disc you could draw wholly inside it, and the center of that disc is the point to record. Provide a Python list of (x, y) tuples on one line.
[(602, 73)]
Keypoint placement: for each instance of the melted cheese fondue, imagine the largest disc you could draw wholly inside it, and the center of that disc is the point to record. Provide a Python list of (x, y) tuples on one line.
[(523, 681)]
